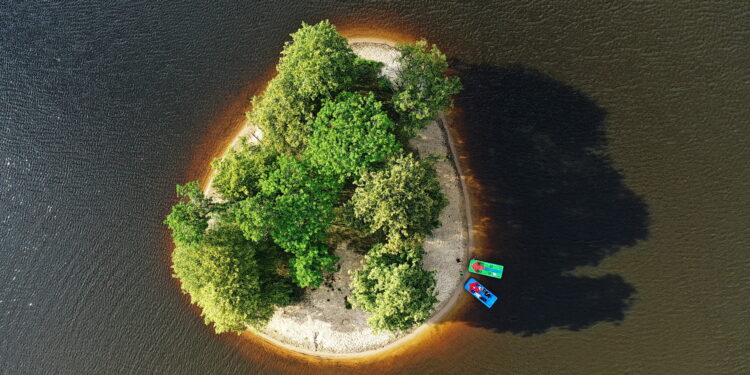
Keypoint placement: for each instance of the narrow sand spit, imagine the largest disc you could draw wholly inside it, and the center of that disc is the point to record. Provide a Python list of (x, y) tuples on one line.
[(321, 324)]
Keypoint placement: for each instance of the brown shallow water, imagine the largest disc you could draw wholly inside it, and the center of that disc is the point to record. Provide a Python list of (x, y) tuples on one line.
[(606, 144)]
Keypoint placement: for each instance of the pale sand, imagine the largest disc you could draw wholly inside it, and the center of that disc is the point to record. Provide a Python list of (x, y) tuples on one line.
[(320, 324)]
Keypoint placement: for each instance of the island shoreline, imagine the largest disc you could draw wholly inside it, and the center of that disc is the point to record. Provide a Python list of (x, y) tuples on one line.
[(445, 306)]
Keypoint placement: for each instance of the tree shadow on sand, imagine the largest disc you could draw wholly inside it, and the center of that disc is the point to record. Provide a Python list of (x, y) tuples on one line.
[(551, 200)]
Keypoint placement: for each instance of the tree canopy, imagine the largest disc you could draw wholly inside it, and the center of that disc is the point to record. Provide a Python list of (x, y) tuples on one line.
[(231, 279), (240, 170), (421, 89), (318, 61), (295, 207), (282, 116), (404, 199), (395, 290), (350, 135), (189, 220), (303, 203), (316, 64)]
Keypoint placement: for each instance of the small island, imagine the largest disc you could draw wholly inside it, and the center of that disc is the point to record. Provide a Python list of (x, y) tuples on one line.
[(319, 224)]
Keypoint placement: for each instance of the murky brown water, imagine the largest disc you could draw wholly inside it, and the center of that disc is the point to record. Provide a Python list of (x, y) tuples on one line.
[(607, 147)]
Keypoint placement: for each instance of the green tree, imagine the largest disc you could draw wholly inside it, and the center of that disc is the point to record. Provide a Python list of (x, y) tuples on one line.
[(309, 263), (393, 288), (295, 207), (369, 77), (303, 202), (350, 135), (282, 115), (316, 64), (421, 89), (240, 170), (231, 279), (318, 61), (253, 216), (400, 250), (188, 220), (402, 200)]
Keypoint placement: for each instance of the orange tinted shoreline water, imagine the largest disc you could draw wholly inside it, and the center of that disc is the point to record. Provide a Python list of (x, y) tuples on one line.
[(223, 133)]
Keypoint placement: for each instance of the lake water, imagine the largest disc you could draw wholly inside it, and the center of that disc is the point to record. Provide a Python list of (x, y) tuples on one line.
[(607, 147)]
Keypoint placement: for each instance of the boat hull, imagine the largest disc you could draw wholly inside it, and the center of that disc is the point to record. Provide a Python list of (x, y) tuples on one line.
[(486, 297), (486, 268)]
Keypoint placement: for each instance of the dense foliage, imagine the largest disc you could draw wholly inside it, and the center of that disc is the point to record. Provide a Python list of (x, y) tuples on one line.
[(316, 64), (282, 116), (403, 200), (233, 280), (422, 90), (240, 170), (189, 220), (330, 168), (350, 135), (393, 287), (295, 207)]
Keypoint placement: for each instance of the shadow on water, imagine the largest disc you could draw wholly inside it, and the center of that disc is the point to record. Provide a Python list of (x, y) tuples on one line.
[(551, 200)]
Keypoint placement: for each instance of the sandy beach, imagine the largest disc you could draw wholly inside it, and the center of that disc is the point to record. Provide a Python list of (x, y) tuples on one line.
[(320, 324)]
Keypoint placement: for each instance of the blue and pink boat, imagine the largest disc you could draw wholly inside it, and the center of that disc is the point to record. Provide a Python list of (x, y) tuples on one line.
[(480, 292)]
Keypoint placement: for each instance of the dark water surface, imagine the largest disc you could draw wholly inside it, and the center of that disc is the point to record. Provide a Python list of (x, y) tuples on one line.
[(608, 149)]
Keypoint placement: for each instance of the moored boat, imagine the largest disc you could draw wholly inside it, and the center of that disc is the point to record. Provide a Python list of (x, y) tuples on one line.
[(480, 292), (486, 268)]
